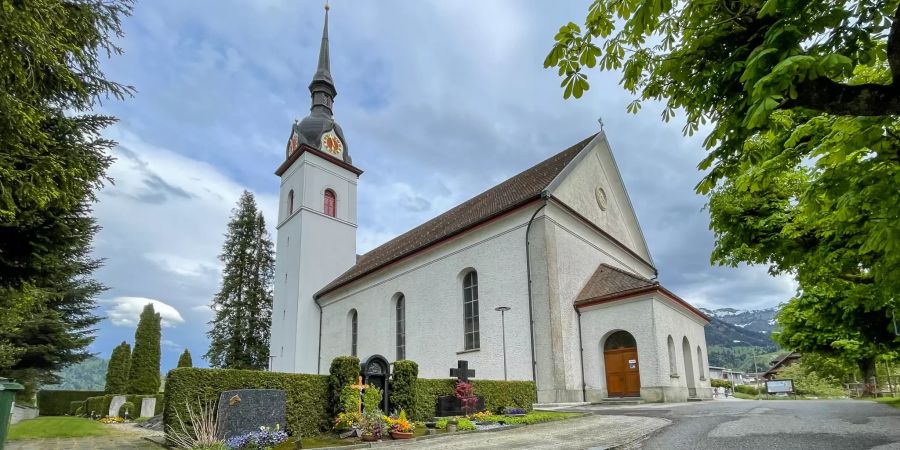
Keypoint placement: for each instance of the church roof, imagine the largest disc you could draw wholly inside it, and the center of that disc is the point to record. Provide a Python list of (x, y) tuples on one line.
[(610, 283), (502, 198)]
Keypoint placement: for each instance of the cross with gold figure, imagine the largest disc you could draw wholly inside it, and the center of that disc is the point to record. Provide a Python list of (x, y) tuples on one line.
[(359, 386)]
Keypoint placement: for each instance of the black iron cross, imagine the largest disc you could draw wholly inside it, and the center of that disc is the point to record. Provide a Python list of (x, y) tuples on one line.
[(462, 371)]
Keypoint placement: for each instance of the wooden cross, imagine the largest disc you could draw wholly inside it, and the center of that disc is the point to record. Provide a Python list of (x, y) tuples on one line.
[(462, 371), (359, 386)]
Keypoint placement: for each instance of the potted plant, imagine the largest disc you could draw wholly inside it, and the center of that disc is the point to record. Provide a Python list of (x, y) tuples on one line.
[(400, 427), (372, 426), (451, 425)]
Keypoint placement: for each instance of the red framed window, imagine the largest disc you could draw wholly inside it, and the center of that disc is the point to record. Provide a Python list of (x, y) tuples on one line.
[(330, 203), (290, 204)]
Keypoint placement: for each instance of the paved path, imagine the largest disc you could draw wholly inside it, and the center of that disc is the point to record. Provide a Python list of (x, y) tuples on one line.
[(595, 431), (772, 424), (126, 437)]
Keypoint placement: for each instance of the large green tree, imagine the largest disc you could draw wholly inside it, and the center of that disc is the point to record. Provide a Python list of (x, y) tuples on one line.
[(53, 161), (239, 333), (118, 369), (802, 100), (143, 374), (185, 359)]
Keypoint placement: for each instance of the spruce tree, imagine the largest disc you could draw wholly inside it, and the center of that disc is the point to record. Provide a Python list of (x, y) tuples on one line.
[(118, 368), (143, 375), (54, 160), (185, 359), (239, 334)]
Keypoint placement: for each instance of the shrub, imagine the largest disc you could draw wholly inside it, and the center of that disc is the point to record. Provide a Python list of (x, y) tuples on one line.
[(100, 405), (80, 410), (716, 382), (372, 399), (143, 374), (265, 438), (464, 425), (74, 405), (403, 385), (808, 381), (58, 403), (746, 389), (350, 401), (344, 371), (196, 429), (126, 407), (305, 395), (117, 369)]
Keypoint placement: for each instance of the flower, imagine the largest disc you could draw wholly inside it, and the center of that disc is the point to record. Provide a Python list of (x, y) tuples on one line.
[(265, 438)]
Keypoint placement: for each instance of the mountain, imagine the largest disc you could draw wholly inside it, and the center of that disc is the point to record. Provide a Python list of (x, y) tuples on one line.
[(722, 333), (758, 320), (88, 375)]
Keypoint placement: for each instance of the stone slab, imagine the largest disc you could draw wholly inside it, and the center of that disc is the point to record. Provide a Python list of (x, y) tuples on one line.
[(449, 405), (245, 410), (115, 404), (148, 406)]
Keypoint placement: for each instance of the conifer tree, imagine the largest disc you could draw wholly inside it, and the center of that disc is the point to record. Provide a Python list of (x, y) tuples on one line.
[(143, 375), (118, 368), (239, 337), (185, 359)]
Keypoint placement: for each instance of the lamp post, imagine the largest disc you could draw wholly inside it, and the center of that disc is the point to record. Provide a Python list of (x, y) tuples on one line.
[(755, 371), (503, 310)]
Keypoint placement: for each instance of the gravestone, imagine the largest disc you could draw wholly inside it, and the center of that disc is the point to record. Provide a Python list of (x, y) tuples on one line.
[(115, 404), (375, 372), (449, 405), (148, 406), (245, 410)]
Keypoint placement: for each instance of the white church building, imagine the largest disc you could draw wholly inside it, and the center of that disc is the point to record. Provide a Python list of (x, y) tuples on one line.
[(559, 245)]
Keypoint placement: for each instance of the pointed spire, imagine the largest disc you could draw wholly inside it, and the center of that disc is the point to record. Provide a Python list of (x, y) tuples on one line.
[(322, 86)]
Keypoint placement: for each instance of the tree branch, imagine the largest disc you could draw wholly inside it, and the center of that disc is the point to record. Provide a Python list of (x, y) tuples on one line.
[(893, 48), (823, 94)]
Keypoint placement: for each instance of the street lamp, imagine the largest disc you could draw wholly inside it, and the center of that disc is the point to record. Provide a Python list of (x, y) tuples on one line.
[(503, 310), (755, 371)]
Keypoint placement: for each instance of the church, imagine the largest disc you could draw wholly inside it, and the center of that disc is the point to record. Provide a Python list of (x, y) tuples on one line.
[(545, 277)]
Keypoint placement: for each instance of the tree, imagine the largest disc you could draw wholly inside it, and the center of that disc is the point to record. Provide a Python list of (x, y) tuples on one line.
[(143, 375), (118, 369), (54, 160), (185, 359), (239, 334), (804, 151)]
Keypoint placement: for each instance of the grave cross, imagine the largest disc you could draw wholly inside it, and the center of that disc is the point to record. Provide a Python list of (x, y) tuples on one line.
[(359, 386), (462, 371)]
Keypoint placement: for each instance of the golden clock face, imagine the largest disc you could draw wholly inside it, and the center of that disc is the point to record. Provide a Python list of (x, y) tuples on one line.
[(332, 144)]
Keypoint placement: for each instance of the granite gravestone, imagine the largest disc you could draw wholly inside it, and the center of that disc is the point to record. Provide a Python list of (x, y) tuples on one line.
[(115, 404), (245, 410), (148, 406), (450, 405), (375, 372)]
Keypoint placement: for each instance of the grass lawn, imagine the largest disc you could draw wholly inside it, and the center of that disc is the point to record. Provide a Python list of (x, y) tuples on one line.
[(53, 427), (892, 401)]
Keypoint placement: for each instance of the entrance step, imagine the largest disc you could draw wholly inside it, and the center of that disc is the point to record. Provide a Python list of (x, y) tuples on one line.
[(694, 399), (621, 401), (554, 406)]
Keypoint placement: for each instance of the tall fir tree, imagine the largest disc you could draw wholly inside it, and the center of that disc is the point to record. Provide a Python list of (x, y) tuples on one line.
[(54, 161), (239, 334), (185, 359), (118, 368), (143, 375)]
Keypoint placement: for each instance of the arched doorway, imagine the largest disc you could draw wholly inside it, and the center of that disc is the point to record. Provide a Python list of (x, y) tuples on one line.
[(623, 377), (688, 367)]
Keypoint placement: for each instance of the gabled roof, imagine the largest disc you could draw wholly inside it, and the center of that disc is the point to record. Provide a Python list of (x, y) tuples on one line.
[(609, 284), (502, 198)]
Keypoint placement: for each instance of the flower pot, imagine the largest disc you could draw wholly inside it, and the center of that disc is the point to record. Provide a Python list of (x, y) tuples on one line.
[(368, 437), (451, 427), (401, 434)]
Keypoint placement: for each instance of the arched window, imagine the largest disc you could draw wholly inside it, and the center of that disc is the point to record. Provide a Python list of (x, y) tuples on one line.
[(353, 332), (700, 363), (330, 203), (619, 339), (673, 365), (470, 310), (290, 202), (401, 327)]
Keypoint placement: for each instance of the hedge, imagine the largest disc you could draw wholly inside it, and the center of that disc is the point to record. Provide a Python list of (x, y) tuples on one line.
[(746, 389), (497, 395), (344, 370), (100, 405), (306, 405), (57, 403), (403, 386), (74, 405)]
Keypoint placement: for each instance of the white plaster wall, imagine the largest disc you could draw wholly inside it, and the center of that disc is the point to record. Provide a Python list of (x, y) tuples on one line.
[(432, 285), (312, 249), (677, 321)]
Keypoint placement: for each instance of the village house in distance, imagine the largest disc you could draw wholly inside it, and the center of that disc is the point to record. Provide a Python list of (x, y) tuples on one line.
[(558, 244)]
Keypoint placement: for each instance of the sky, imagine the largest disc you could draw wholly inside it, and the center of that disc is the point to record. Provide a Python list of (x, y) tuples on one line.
[(438, 101)]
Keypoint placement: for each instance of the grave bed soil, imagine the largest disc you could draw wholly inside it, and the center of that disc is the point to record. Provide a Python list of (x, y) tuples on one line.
[(440, 434)]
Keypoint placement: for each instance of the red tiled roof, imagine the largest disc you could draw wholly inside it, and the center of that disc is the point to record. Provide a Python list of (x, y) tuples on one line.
[(502, 198)]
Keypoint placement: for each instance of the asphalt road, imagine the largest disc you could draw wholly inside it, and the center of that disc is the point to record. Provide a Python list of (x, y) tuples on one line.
[(772, 424)]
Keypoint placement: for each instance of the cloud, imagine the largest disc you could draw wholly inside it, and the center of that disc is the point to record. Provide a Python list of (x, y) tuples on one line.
[(126, 311)]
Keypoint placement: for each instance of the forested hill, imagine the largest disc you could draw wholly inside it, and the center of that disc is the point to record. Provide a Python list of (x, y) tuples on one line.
[(88, 375)]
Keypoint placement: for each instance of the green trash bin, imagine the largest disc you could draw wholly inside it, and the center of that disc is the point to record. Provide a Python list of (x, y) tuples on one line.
[(8, 391)]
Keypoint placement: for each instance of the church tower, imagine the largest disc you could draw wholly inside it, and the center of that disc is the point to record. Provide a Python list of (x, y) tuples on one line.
[(316, 224)]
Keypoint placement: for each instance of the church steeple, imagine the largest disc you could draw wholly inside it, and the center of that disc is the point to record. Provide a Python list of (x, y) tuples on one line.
[(319, 129), (322, 84)]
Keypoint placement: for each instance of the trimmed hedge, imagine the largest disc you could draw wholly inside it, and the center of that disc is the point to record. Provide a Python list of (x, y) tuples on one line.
[(57, 403), (497, 395), (344, 370), (403, 386), (746, 389), (129, 408), (306, 405), (73, 407), (100, 405)]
